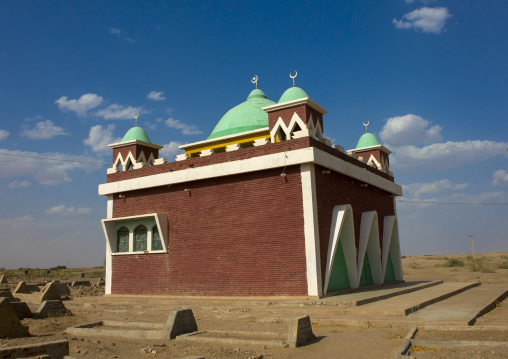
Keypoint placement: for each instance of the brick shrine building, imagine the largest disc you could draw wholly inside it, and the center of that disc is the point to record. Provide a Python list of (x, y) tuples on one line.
[(265, 206)]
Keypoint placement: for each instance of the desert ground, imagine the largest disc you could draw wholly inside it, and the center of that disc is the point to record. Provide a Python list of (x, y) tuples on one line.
[(258, 315)]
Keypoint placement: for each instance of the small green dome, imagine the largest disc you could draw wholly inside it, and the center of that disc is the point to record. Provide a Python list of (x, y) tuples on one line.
[(247, 116), (136, 133), (293, 93), (367, 140)]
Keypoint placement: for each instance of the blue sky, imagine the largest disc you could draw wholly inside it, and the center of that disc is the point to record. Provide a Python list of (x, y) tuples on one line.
[(431, 77)]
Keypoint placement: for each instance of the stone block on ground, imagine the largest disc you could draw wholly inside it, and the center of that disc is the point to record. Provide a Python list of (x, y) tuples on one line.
[(300, 331), (57, 349), (22, 310), (50, 292), (85, 283), (50, 308), (3, 280), (10, 326), (180, 322), (7, 294), (22, 288)]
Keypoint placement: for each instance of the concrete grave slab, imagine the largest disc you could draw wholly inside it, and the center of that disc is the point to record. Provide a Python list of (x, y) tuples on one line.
[(22, 310), (3, 280), (7, 294), (85, 283), (177, 324), (50, 292), (10, 326), (50, 308), (54, 350), (22, 288), (63, 289)]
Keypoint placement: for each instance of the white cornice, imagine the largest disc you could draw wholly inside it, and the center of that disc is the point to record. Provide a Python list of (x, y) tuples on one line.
[(220, 139), (135, 142), (276, 160), (298, 102)]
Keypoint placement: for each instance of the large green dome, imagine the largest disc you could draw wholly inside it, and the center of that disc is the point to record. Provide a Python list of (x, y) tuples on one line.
[(247, 116), (136, 133), (367, 140), (293, 93)]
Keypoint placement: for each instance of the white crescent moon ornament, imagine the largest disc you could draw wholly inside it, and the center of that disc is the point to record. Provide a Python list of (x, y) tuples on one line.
[(293, 77), (366, 124), (255, 80)]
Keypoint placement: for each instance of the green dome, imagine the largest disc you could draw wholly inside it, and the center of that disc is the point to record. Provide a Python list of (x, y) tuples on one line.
[(247, 116), (293, 93), (367, 140), (136, 133)]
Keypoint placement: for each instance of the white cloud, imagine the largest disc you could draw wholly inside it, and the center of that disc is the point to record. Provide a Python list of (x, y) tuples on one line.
[(156, 96), (43, 130), (425, 19), (186, 129), (67, 211), (444, 156), (119, 112), (409, 130), (99, 138), (19, 184), (171, 150), (3, 134), (44, 170), (418, 189), (115, 31), (80, 106), (500, 178)]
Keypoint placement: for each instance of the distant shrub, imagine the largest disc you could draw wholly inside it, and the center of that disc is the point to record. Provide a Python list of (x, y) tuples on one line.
[(415, 265), (453, 262), (480, 265), (402, 257), (58, 267), (503, 265)]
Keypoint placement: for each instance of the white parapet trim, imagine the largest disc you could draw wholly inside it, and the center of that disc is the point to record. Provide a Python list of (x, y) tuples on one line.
[(276, 160), (181, 157), (342, 232), (233, 147), (311, 229), (207, 152), (369, 243), (159, 161), (260, 141)]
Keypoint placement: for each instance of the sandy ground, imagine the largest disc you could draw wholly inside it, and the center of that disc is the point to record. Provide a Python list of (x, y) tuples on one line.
[(332, 341)]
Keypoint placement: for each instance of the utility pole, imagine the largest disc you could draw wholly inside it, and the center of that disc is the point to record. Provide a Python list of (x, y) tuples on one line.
[(472, 244)]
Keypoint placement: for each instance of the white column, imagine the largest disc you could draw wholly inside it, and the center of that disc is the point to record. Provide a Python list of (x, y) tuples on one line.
[(109, 267), (311, 229)]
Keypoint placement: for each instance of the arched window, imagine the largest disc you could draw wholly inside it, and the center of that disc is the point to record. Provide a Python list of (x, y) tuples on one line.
[(156, 239), (122, 240), (140, 239)]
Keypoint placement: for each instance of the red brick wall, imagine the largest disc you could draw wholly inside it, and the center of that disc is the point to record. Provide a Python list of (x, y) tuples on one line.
[(238, 235), (337, 189), (303, 111)]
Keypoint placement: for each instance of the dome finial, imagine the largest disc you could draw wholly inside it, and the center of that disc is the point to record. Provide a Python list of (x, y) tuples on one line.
[(136, 119), (293, 77), (366, 124), (255, 81)]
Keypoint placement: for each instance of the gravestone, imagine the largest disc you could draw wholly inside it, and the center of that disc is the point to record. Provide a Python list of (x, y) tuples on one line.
[(180, 322), (10, 326), (3, 280), (51, 308), (63, 289), (300, 331), (22, 310), (22, 288), (50, 292)]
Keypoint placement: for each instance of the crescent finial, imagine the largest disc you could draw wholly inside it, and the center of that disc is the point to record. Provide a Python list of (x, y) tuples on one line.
[(293, 77), (255, 80), (136, 118), (366, 124)]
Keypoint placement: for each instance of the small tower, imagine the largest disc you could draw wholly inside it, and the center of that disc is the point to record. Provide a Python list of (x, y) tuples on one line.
[(369, 150), (134, 151), (295, 116)]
